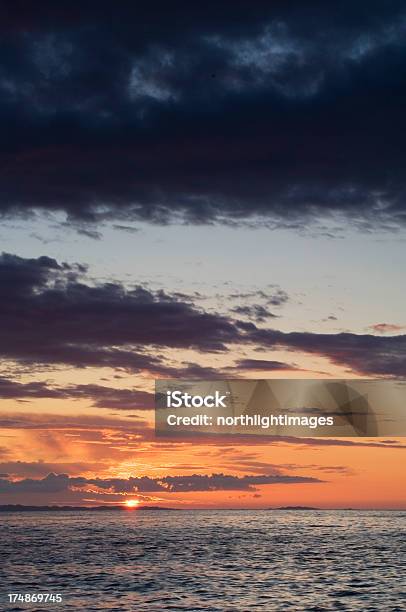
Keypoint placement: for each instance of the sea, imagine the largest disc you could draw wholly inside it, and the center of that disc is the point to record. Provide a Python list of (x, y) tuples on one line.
[(217, 560)]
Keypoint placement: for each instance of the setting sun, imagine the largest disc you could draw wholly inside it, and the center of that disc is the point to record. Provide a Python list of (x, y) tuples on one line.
[(132, 503)]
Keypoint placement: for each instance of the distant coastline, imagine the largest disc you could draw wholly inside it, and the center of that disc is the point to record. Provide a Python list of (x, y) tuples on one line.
[(299, 508), (22, 508)]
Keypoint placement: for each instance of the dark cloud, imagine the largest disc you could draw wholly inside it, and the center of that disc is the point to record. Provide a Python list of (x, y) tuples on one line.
[(196, 371), (274, 297), (58, 483), (265, 365), (40, 469), (50, 314), (246, 464), (281, 110), (91, 425), (107, 397), (277, 298), (101, 396), (254, 305), (222, 482), (314, 442), (362, 353), (255, 312), (11, 389)]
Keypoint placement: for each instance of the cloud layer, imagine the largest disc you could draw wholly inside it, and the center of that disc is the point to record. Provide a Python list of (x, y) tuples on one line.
[(158, 112), (57, 483), (51, 314)]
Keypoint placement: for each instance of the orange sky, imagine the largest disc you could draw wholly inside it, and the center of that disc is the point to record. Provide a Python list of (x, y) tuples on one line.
[(91, 442)]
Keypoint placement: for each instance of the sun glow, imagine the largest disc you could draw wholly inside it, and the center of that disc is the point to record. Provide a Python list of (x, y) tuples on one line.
[(132, 503)]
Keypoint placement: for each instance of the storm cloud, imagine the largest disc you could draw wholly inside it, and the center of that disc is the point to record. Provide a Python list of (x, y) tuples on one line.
[(283, 112)]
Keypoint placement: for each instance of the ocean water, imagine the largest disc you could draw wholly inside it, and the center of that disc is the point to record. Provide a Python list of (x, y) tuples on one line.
[(205, 560)]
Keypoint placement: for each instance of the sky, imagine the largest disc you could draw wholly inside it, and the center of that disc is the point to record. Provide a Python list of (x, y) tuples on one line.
[(197, 192)]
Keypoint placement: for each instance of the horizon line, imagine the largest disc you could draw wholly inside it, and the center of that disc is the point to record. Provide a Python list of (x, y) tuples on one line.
[(61, 507)]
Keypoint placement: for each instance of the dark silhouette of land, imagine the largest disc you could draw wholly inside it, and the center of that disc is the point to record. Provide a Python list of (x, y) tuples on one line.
[(123, 508), (21, 508), (296, 508)]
